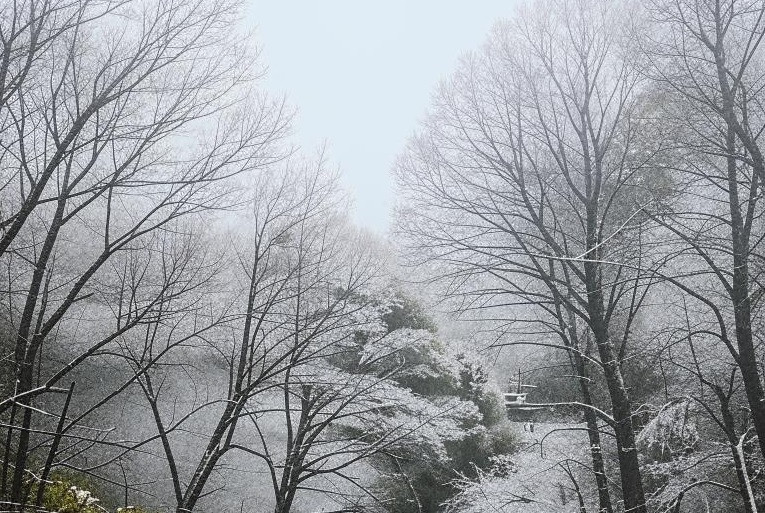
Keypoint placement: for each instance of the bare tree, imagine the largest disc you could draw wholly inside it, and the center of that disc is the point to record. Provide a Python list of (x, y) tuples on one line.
[(527, 187), (333, 421), (706, 59), (118, 120), (167, 291), (305, 273)]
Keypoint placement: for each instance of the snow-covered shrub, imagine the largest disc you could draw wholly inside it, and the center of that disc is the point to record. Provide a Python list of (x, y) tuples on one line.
[(70, 492), (671, 433), (502, 465), (669, 480), (502, 439), (63, 497), (526, 481)]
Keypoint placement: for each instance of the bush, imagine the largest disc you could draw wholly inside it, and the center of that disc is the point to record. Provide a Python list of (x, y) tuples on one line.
[(68, 492), (64, 497), (502, 439), (492, 407)]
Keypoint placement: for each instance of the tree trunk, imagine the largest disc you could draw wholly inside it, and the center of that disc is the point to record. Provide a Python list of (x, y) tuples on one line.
[(631, 480), (738, 459), (739, 292), (632, 485), (28, 342), (596, 449), (629, 466)]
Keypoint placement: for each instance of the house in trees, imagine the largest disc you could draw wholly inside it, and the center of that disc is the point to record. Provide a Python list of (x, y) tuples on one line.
[(516, 404)]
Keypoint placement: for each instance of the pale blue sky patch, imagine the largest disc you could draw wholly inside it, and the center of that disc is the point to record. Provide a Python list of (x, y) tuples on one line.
[(361, 74)]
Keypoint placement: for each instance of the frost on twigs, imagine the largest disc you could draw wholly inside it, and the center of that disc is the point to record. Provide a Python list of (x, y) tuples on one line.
[(680, 465), (683, 478), (525, 482), (671, 433), (502, 465)]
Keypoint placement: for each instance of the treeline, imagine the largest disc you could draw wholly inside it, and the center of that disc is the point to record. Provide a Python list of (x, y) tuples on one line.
[(189, 322), (590, 182)]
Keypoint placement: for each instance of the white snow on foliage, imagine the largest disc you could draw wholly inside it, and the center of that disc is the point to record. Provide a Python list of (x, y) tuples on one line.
[(534, 480), (670, 433)]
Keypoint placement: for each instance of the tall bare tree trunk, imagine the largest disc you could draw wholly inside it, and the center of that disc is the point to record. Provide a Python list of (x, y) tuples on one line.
[(629, 466), (593, 435)]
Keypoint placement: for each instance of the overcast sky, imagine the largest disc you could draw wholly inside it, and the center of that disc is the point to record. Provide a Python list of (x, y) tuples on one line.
[(361, 73)]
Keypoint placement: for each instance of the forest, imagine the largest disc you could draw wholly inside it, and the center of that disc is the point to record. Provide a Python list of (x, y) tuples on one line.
[(191, 320)]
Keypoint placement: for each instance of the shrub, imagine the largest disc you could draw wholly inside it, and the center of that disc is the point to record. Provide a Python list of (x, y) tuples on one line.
[(64, 497), (68, 492), (502, 439)]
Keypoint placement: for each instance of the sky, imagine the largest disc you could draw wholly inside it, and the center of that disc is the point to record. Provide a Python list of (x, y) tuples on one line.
[(361, 74)]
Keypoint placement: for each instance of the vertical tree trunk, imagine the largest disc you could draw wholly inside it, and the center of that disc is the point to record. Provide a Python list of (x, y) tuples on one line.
[(739, 291), (631, 479), (579, 367), (738, 457), (53, 448), (593, 434), (632, 484), (28, 342)]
